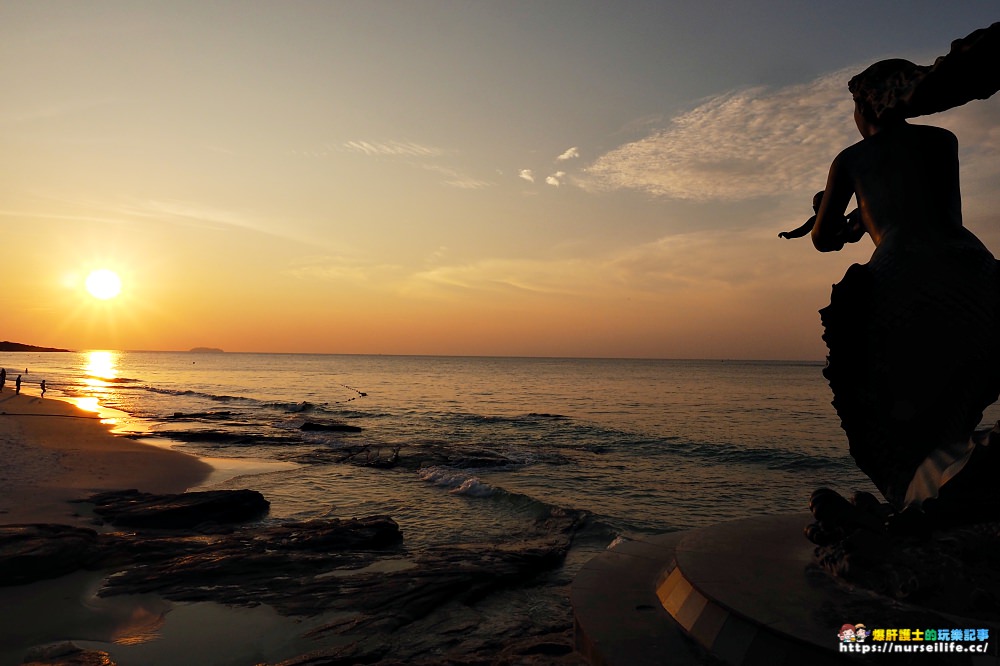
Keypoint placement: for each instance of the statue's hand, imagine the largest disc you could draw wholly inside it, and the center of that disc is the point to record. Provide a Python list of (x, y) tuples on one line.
[(851, 231), (854, 230)]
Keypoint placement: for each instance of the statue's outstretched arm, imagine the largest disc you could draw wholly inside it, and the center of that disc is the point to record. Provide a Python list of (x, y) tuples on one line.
[(799, 232)]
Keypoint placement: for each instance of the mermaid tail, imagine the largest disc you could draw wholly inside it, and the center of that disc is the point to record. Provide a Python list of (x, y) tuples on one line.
[(914, 342)]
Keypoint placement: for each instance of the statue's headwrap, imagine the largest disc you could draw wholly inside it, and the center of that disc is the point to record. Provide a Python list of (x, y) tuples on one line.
[(882, 88), (893, 89)]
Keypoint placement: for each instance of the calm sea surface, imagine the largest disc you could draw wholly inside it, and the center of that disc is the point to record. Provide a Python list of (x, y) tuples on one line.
[(487, 446), (643, 445)]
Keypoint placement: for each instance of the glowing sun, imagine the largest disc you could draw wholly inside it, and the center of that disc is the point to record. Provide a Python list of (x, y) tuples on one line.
[(104, 284)]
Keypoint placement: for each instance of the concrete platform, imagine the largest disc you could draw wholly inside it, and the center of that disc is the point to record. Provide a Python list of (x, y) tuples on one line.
[(742, 593)]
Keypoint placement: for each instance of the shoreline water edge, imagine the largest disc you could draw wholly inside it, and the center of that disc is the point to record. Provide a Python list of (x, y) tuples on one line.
[(57, 454)]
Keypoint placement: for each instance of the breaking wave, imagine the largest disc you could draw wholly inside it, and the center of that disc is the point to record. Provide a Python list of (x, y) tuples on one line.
[(459, 482)]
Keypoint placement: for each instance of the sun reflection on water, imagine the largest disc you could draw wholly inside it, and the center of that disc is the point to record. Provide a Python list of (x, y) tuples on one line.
[(87, 403), (142, 626), (101, 370), (102, 365)]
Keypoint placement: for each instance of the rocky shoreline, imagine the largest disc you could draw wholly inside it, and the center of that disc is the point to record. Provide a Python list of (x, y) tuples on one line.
[(213, 546)]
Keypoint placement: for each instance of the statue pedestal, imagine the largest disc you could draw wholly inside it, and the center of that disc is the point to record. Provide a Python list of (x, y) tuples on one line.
[(743, 593)]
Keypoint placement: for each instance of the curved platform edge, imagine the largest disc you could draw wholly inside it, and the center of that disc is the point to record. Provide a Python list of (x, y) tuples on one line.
[(741, 593), (618, 618)]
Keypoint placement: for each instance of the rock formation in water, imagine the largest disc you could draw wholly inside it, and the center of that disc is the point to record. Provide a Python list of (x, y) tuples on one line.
[(358, 567)]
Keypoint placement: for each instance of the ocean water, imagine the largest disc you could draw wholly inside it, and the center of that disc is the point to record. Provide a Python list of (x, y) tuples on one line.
[(642, 445), (486, 446)]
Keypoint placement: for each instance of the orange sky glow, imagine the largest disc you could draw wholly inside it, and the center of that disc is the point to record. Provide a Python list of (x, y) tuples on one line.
[(528, 179)]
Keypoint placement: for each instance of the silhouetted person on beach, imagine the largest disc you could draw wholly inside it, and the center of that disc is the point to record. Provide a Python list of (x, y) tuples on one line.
[(43, 388), (17, 385), (3, 377)]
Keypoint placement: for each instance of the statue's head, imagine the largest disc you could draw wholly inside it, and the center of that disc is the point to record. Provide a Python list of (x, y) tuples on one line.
[(880, 92)]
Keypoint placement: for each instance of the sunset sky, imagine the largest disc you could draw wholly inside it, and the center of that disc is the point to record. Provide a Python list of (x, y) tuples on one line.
[(543, 178)]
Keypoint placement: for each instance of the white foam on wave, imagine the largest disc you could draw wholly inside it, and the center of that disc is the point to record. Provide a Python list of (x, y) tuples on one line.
[(459, 481), (619, 540), (474, 488)]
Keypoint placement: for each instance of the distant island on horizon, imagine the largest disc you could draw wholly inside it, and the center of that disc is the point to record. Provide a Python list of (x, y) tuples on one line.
[(206, 350), (7, 346)]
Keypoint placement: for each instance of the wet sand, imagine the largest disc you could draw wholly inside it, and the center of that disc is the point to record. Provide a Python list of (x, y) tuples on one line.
[(52, 452)]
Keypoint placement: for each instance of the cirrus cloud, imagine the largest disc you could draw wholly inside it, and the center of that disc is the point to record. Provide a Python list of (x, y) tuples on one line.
[(392, 148), (740, 145), (556, 179), (569, 154)]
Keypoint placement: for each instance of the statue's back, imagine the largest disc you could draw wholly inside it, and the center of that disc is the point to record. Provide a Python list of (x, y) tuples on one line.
[(906, 181)]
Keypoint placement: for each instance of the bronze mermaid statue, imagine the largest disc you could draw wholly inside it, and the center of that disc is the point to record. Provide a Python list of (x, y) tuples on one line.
[(913, 334)]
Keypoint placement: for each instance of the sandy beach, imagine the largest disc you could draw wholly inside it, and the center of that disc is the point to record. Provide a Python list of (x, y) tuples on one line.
[(53, 453)]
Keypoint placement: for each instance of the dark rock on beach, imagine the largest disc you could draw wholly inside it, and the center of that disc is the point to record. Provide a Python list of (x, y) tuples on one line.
[(185, 565), (381, 602), (280, 565), (34, 552), (222, 437), (545, 648), (66, 654), (201, 415), (310, 426), (131, 508)]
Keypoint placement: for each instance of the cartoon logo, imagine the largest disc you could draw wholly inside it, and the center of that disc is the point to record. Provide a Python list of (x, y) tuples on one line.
[(861, 633), (846, 634)]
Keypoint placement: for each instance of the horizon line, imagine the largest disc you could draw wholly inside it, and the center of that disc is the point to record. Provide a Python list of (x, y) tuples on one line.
[(213, 351)]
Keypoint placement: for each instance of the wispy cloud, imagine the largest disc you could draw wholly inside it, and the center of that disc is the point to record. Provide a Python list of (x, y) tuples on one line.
[(25, 214), (176, 212), (392, 149), (420, 156), (189, 213), (198, 215), (556, 179), (741, 145), (977, 125), (569, 154), (56, 110), (343, 268), (706, 262), (457, 179), (503, 275)]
